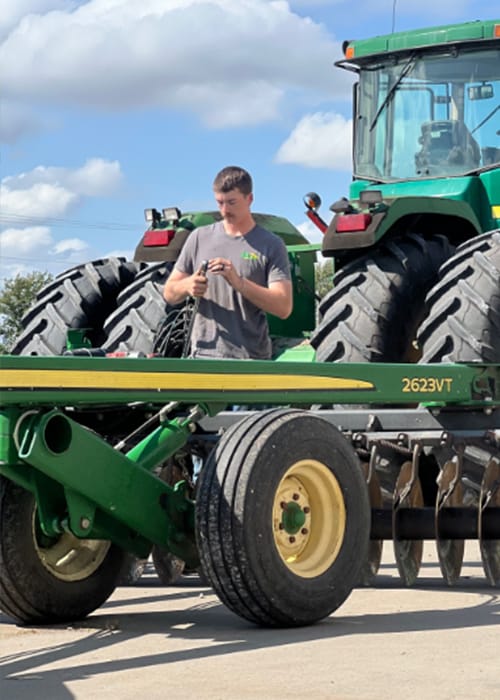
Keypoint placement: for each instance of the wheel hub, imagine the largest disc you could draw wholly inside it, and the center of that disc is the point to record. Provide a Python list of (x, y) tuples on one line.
[(309, 518), (67, 557)]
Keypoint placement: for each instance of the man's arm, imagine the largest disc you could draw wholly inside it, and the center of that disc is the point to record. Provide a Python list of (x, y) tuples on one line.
[(277, 299)]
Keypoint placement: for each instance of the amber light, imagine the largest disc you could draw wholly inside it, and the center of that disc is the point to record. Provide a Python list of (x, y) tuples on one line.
[(349, 52), (496, 30)]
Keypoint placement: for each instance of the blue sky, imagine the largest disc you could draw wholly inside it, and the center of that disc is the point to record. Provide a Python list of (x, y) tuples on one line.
[(112, 106)]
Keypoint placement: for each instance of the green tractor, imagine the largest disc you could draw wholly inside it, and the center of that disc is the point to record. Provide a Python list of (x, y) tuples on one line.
[(97, 447), (425, 194)]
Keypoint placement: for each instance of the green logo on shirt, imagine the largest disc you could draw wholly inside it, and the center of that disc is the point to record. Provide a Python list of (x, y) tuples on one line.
[(246, 255)]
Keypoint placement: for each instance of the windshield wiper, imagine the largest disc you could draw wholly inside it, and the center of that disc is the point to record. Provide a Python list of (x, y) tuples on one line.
[(486, 119), (406, 69)]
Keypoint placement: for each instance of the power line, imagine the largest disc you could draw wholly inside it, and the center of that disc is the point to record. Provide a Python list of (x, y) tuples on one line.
[(17, 219), (11, 258)]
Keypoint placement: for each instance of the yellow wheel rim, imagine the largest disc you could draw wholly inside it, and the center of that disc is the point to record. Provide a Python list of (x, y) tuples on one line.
[(69, 558), (309, 518)]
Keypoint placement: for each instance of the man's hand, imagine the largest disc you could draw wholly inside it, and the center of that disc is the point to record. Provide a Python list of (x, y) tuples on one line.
[(276, 299), (196, 285), (224, 268), (179, 286)]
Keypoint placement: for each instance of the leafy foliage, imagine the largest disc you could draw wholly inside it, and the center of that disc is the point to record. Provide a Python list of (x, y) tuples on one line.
[(16, 297), (324, 277)]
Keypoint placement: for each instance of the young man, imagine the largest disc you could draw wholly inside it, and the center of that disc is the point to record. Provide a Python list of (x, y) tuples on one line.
[(248, 276)]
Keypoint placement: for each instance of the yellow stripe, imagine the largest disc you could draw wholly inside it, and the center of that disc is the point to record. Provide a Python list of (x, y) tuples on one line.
[(79, 379), (495, 212)]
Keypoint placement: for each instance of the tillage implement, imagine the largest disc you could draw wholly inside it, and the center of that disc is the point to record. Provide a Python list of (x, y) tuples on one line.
[(296, 494)]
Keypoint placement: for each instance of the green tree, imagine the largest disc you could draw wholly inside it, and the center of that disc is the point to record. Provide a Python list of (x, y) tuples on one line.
[(324, 277), (17, 295)]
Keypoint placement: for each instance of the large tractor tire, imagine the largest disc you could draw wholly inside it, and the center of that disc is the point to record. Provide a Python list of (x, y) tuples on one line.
[(141, 312), (79, 298), (283, 518), (45, 580), (377, 302), (463, 324)]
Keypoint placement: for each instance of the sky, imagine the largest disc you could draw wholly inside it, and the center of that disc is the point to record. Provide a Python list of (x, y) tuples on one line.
[(109, 107)]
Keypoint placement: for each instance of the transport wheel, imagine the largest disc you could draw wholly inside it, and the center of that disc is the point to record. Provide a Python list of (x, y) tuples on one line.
[(81, 297), (49, 580), (132, 569), (377, 301), (168, 567), (141, 311), (283, 518), (464, 318)]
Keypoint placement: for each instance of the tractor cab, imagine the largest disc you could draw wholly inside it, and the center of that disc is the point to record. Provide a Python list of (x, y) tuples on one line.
[(427, 106)]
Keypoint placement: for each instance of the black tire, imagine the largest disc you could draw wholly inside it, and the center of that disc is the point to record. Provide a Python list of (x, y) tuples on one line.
[(168, 567), (463, 324), (246, 554), (33, 587), (132, 569), (141, 311), (377, 302), (79, 298)]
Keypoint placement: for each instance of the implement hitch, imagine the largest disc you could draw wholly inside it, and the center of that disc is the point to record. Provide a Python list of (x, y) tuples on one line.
[(108, 493)]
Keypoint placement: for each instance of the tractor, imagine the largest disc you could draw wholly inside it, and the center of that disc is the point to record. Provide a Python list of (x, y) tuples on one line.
[(377, 418)]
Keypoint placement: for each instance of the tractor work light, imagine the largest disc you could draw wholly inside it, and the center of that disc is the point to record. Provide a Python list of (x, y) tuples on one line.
[(152, 215), (172, 214), (370, 197)]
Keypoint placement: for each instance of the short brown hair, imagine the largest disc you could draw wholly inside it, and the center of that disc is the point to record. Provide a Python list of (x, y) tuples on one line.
[(233, 178)]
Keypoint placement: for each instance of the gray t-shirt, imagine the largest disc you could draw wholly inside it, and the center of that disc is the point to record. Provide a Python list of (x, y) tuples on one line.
[(228, 325)]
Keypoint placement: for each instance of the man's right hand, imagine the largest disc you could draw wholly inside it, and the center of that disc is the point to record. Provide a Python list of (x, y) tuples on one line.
[(196, 285), (179, 286)]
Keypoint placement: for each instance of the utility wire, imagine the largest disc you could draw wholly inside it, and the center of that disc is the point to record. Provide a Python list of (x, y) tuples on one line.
[(21, 219)]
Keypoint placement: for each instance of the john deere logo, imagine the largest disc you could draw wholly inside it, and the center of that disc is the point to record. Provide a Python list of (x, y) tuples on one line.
[(246, 255)]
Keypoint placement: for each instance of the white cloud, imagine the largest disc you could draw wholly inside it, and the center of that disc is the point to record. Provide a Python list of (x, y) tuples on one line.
[(95, 177), (310, 231), (46, 192), (16, 242), (39, 201), (128, 254), (229, 61), (320, 140), (46, 195), (248, 104), (69, 245), (23, 250), (14, 10)]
